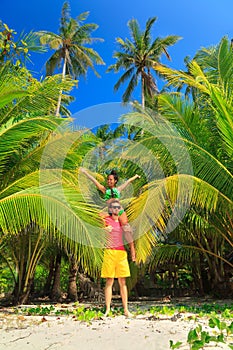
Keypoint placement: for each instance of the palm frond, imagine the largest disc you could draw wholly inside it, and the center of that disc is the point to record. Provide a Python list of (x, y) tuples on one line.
[(123, 78), (131, 86), (135, 31), (147, 32), (175, 77), (185, 116), (188, 156)]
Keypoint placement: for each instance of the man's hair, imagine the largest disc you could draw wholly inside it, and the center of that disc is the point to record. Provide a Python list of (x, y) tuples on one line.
[(114, 201)]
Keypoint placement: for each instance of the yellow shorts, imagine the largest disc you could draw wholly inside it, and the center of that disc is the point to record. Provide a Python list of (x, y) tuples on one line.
[(115, 264)]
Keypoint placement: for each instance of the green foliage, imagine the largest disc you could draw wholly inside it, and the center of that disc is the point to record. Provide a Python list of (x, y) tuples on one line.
[(39, 310), (81, 312), (71, 45), (175, 345), (203, 310), (41, 274), (138, 56), (201, 238), (17, 51), (88, 314), (27, 126), (198, 338), (6, 279)]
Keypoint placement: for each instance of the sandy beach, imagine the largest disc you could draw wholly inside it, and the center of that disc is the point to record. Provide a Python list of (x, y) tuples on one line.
[(143, 332)]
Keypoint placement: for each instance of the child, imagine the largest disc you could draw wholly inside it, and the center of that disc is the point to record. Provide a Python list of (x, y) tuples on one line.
[(112, 191)]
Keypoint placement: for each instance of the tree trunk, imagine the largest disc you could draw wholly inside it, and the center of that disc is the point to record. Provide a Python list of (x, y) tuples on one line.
[(60, 94), (21, 295), (198, 282), (56, 289), (23, 299), (143, 92), (49, 280), (72, 286)]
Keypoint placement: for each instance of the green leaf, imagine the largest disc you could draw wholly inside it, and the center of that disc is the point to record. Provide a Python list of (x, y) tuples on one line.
[(197, 344), (192, 336), (175, 345), (214, 322)]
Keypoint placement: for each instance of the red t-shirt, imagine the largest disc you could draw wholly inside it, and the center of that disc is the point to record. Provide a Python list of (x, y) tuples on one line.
[(115, 236)]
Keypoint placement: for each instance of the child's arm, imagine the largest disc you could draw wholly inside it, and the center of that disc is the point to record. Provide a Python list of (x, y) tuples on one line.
[(126, 183), (98, 185)]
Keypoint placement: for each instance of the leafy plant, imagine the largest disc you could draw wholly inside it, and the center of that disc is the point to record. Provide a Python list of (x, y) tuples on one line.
[(198, 338), (88, 314), (39, 310)]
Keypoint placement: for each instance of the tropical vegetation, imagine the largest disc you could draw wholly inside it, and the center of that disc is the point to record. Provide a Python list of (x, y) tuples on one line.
[(71, 45), (179, 141), (28, 126), (137, 57)]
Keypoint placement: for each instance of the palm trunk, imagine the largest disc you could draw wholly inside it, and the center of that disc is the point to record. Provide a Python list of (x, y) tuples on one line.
[(49, 280), (143, 92), (56, 290), (72, 287), (60, 95), (23, 299), (143, 98), (27, 258)]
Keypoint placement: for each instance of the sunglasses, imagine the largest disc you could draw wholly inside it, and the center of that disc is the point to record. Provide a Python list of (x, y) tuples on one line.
[(115, 207)]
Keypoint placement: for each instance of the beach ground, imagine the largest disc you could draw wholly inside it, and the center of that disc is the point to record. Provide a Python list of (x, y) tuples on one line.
[(65, 332)]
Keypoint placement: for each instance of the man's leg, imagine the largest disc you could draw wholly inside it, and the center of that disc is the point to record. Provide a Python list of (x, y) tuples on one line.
[(108, 294), (124, 294)]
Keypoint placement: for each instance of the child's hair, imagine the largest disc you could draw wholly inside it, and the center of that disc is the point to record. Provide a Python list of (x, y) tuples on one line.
[(115, 175)]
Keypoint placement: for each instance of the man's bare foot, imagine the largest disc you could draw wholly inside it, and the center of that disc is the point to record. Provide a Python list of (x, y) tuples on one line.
[(128, 314), (106, 313)]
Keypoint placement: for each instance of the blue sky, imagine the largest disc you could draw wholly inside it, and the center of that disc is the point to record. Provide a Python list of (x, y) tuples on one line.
[(200, 23)]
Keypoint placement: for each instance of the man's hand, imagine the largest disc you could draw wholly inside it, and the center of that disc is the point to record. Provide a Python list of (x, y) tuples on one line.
[(108, 228)]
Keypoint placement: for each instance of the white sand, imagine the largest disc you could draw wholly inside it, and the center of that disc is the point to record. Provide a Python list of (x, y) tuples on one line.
[(113, 333)]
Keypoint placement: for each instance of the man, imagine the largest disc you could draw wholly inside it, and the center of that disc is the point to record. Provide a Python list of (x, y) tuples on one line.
[(115, 263)]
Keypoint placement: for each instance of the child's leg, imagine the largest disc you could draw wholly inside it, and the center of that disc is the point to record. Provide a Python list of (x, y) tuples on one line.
[(123, 218), (128, 234)]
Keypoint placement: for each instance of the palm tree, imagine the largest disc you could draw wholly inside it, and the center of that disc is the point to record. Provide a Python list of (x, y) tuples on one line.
[(137, 58), (205, 232), (71, 47), (29, 198), (18, 51)]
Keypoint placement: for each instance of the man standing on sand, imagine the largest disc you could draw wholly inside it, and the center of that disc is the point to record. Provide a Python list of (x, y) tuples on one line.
[(115, 263)]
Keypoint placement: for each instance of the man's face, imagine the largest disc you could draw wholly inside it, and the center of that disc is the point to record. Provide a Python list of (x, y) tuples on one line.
[(115, 208)]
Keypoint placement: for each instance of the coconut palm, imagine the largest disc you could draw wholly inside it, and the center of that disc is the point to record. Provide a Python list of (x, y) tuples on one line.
[(32, 209), (137, 56), (71, 47), (188, 131), (18, 51)]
